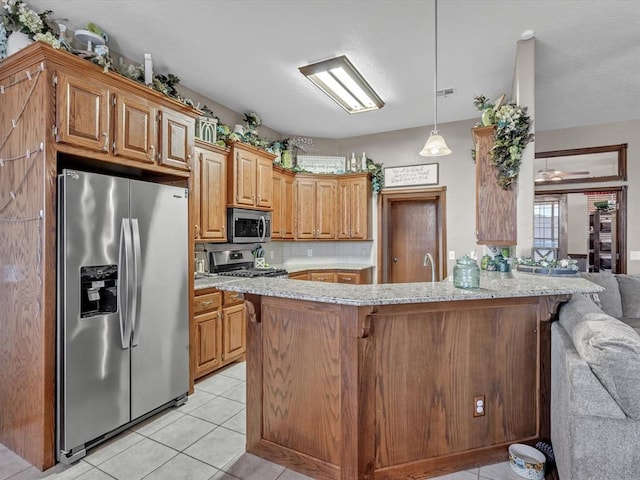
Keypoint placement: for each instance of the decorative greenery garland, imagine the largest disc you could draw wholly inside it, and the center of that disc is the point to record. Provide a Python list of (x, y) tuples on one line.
[(510, 137)]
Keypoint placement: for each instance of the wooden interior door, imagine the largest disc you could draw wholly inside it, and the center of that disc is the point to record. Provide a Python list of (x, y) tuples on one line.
[(412, 234), (412, 225)]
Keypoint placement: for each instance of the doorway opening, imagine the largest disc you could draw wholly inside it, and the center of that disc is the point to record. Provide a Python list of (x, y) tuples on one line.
[(412, 224), (588, 225)]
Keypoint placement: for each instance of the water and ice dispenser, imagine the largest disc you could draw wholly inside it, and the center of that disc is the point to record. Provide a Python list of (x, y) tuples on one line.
[(98, 290)]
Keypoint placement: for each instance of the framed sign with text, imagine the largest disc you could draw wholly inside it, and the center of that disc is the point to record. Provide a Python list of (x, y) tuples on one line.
[(410, 175)]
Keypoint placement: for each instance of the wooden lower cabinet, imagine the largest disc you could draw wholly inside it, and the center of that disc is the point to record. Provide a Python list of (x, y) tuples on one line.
[(299, 276), (389, 391), (354, 277), (220, 332), (234, 332), (324, 276)]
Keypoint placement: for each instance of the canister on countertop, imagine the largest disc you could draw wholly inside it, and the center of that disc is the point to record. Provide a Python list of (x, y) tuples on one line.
[(466, 273)]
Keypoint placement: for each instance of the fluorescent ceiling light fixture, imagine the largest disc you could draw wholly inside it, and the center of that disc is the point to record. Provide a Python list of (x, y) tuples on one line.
[(339, 79)]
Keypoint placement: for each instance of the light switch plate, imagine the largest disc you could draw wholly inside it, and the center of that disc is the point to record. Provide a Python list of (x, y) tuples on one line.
[(452, 254), (634, 255)]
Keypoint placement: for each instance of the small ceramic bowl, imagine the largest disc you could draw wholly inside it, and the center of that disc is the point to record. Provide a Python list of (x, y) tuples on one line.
[(526, 461)]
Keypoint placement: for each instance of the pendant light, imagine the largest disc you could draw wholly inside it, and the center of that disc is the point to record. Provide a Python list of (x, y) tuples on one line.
[(435, 146)]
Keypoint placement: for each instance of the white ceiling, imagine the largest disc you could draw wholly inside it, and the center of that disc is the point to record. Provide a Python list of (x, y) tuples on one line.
[(245, 54)]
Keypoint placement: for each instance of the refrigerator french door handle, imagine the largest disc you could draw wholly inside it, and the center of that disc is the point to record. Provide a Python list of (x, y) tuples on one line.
[(124, 261), (137, 280), (263, 223)]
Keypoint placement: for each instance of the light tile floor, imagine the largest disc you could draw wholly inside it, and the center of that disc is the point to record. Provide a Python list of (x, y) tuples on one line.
[(204, 439)]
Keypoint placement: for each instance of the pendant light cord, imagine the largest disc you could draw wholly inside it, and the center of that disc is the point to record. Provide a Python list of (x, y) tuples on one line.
[(435, 72)]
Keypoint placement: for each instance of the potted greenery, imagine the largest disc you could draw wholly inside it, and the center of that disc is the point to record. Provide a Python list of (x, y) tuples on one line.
[(510, 137), (22, 26)]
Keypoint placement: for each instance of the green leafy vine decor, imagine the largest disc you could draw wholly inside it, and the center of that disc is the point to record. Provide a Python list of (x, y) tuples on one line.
[(510, 137)]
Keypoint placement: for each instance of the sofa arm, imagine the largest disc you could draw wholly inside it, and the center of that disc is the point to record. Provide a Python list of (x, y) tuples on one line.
[(578, 400), (578, 388)]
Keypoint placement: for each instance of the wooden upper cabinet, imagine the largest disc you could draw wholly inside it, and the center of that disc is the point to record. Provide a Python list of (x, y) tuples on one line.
[(264, 185), (326, 209), (134, 127), (282, 224), (210, 181), (354, 196), (250, 181), (176, 139), (122, 122), (316, 207), (496, 217), (83, 113), (305, 189)]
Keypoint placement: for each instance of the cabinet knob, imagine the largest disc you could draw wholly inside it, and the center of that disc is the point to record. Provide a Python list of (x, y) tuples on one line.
[(395, 259), (152, 153), (105, 147)]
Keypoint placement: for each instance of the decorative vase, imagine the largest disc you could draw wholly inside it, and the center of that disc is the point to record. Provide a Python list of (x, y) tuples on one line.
[(488, 117), (287, 159), (17, 41)]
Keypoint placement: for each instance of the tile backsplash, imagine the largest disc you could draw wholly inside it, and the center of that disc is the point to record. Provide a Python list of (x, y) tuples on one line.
[(291, 253)]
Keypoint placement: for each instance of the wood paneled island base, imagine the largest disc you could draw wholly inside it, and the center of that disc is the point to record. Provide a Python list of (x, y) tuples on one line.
[(389, 391)]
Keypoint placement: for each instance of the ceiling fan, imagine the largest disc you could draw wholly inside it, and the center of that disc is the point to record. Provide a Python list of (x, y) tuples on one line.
[(553, 175)]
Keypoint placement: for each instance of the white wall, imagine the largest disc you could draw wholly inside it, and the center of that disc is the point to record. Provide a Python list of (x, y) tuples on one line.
[(577, 223)]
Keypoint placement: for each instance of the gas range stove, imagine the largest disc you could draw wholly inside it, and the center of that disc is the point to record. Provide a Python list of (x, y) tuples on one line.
[(240, 263), (251, 272)]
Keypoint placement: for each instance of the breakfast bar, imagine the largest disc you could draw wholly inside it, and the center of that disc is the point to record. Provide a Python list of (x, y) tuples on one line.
[(394, 381)]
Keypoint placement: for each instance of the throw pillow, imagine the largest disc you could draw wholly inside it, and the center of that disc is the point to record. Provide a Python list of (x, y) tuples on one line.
[(610, 300), (612, 350), (630, 294)]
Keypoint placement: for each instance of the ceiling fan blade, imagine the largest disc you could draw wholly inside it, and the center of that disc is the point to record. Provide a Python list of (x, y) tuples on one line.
[(564, 174)]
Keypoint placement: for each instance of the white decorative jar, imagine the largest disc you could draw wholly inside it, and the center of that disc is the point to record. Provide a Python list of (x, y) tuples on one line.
[(17, 41)]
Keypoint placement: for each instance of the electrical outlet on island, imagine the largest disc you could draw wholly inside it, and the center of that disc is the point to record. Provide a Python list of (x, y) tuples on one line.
[(309, 252)]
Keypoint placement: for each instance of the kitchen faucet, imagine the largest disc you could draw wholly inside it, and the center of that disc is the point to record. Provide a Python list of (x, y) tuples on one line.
[(428, 259)]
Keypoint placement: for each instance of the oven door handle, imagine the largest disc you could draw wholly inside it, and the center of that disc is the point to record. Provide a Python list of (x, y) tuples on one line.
[(262, 223)]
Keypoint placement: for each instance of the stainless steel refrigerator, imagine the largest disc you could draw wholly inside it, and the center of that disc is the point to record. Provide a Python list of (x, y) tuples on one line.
[(122, 329)]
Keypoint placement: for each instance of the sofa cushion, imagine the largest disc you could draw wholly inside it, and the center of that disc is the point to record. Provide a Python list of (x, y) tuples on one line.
[(610, 300), (630, 295), (612, 350), (579, 309)]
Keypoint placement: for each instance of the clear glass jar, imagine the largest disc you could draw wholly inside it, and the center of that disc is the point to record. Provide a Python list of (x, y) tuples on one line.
[(466, 273)]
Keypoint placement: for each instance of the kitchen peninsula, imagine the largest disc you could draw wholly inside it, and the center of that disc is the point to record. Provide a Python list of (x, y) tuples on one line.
[(394, 381)]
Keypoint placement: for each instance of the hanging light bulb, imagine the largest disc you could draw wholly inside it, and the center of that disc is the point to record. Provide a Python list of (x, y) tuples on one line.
[(435, 146)]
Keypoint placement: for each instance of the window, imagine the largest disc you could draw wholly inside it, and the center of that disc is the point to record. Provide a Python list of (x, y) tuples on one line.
[(546, 229)]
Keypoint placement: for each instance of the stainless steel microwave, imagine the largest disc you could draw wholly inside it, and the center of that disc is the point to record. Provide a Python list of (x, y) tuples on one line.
[(248, 226)]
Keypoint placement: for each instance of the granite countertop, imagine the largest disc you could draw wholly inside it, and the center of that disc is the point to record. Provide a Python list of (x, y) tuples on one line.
[(492, 285), (221, 281), (300, 267)]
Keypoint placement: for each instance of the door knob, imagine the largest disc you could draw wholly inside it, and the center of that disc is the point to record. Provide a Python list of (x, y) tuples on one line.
[(395, 259)]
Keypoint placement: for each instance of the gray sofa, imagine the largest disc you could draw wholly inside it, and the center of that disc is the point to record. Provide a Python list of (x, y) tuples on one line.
[(595, 382)]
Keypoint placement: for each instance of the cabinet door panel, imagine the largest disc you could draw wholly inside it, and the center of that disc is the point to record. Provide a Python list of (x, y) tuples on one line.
[(245, 164), (135, 129), (326, 209), (176, 140), (234, 331), (344, 209), (358, 212), (277, 228), (208, 343), (83, 113), (213, 195), (288, 205), (305, 214), (264, 183)]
